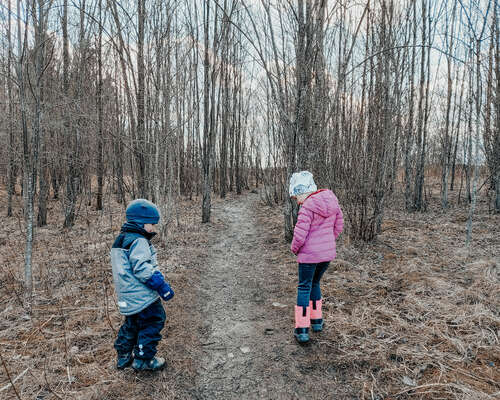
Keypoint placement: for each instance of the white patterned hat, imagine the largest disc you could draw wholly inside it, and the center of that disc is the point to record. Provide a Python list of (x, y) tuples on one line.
[(302, 182)]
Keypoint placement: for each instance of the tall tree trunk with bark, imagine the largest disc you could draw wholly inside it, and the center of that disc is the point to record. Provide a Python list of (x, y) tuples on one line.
[(140, 147), (27, 159), (11, 176), (457, 129), (43, 175), (71, 132), (491, 135), (418, 201), (100, 116), (447, 137), (208, 114), (496, 126), (408, 159)]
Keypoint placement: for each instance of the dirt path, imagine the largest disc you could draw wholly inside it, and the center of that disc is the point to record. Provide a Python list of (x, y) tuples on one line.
[(236, 333), (245, 303)]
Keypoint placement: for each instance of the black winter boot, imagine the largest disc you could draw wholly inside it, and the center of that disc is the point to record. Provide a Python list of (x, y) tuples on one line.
[(124, 360), (154, 364)]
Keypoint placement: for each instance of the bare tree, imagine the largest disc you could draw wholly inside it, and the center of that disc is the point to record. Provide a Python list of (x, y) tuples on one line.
[(209, 131), (491, 135), (139, 148), (100, 116), (71, 133), (11, 178), (28, 162), (410, 133), (31, 145), (477, 39), (447, 137)]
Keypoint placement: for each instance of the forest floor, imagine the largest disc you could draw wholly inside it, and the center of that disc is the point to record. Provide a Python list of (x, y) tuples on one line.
[(412, 315)]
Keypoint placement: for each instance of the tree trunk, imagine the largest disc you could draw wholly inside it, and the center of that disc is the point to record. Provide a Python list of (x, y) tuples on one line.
[(100, 134), (43, 176), (27, 161), (423, 95), (11, 176), (446, 149), (409, 133), (468, 230), (208, 120), (140, 147), (457, 128), (72, 176)]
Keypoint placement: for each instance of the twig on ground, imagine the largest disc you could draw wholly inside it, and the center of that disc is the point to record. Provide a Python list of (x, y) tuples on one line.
[(47, 381), (14, 380), (65, 346), (8, 376), (106, 309), (39, 328)]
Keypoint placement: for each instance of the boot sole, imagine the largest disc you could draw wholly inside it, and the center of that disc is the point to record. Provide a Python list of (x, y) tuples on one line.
[(128, 364), (149, 369)]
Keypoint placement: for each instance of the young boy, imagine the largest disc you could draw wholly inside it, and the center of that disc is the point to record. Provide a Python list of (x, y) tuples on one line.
[(139, 285)]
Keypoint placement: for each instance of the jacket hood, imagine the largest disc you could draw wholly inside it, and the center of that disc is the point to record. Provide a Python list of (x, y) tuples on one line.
[(322, 202)]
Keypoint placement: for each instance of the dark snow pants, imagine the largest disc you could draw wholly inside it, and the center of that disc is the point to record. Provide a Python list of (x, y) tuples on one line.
[(141, 332)]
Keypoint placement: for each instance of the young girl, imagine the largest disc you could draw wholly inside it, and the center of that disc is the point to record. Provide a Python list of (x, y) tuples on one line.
[(319, 223)]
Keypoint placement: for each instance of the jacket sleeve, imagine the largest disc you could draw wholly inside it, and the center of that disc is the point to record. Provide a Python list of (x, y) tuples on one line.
[(140, 260), (301, 229), (339, 224)]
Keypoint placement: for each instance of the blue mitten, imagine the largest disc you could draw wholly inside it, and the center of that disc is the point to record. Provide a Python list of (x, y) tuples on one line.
[(157, 282), (165, 291)]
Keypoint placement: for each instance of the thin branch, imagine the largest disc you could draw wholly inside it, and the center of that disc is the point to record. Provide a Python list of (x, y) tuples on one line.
[(14, 380), (403, 47), (8, 375)]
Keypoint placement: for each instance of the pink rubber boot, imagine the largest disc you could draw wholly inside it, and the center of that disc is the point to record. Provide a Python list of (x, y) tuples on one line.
[(316, 315), (302, 323)]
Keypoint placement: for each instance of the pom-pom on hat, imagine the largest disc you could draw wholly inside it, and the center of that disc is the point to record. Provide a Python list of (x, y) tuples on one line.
[(142, 211), (302, 182)]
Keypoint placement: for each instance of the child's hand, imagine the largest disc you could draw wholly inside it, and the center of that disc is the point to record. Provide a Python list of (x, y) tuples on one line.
[(157, 282), (165, 291)]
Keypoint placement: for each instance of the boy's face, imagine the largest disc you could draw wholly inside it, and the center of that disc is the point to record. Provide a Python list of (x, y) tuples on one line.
[(150, 228)]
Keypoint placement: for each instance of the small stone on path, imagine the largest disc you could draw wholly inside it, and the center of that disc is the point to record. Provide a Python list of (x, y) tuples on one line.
[(245, 349)]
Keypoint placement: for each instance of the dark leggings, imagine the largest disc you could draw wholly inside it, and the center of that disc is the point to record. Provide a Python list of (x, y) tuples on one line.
[(309, 277)]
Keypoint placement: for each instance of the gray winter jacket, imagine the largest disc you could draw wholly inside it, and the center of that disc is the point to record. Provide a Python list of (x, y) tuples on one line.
[(133, 259)]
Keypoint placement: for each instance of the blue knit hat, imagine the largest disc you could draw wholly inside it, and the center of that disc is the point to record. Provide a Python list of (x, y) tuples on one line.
[(142, 211)]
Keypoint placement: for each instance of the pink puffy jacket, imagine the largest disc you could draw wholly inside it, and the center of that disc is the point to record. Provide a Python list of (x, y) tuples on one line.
[(319, 224)]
